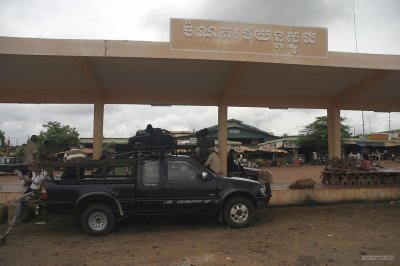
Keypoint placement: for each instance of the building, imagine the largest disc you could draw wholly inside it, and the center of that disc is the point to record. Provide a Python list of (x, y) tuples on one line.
[(241, 132), (385, 143)]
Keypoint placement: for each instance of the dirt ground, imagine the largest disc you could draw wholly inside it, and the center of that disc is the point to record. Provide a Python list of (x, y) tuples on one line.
[(307, 235)]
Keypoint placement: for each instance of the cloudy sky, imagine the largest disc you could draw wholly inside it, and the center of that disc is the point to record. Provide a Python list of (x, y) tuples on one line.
[(373, 27)]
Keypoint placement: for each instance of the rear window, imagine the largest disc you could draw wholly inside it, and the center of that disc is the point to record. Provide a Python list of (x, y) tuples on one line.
[(97, 170), (109, 171)]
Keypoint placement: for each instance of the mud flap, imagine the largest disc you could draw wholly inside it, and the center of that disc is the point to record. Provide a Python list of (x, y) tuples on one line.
[(220, 217)]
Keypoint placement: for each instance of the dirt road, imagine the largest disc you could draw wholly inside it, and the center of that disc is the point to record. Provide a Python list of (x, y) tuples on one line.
[(319, 235), (310, 235)]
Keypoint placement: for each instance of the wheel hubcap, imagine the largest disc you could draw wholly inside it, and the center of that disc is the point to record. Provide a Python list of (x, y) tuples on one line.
[(97, 221), (239, 213)]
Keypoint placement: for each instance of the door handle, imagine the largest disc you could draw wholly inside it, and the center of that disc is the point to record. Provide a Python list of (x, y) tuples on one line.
[(151, 185)]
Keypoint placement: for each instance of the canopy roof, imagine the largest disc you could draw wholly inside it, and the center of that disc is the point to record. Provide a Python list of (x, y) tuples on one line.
[(126, 72)]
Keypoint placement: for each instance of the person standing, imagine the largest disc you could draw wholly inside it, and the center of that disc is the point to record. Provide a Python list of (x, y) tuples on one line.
[(358, 156), (213, 161), (45, 156), (315, 158), (30, 158), (232, 167), (74, 155), (31, 150)]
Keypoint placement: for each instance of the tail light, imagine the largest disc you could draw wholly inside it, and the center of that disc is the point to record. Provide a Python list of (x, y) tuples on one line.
[(43, 194)]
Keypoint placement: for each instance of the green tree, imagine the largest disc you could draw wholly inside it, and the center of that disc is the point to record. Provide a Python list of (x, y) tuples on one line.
[(314, 136), (2, 138), (59, 136), (20, 152)]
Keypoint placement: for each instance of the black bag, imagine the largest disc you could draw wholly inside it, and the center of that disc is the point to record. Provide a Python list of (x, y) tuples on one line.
[(153, 138), (203, 133)]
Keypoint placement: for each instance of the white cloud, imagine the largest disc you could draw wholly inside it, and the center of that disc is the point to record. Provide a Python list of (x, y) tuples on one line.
[(377, 32)]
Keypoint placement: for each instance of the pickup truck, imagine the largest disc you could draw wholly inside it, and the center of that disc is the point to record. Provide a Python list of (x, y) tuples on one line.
[(11, 164), (103, 191)]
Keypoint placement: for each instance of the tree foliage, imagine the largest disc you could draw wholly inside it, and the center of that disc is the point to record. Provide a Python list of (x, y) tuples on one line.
[(2, 138), (314, 136), (59, 136)]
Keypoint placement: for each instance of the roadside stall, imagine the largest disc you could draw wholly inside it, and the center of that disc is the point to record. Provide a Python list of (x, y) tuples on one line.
[(260, 158)]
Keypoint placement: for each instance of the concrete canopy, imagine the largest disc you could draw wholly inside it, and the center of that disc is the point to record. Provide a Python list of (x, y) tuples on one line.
[(125, 72), (118, 72)]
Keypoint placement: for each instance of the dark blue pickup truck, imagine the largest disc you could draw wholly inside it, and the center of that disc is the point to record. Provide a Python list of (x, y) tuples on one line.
[(101, 191)]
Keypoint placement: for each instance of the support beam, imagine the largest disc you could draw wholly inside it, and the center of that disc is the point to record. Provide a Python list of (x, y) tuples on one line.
[(334, 133), (362, 87), (232, 84), (91, 82), (96, 92), (98, 130), (223, 137)]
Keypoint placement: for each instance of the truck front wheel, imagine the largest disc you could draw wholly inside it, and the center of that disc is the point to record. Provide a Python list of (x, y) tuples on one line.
[(98, 220), (239, 213)]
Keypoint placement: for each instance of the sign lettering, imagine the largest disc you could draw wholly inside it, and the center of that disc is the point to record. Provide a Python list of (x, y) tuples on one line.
[(190, 34)]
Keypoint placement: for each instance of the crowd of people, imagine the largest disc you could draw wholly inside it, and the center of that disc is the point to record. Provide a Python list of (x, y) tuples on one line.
[(366, 160), (375, 156)]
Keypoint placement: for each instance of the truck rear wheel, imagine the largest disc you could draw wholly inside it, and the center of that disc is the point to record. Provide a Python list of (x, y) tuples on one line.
[(239, 213), (98, 220)]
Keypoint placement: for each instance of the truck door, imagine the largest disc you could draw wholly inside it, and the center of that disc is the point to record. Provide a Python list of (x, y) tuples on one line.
[(148, 194), (121, 176), (185, 190)]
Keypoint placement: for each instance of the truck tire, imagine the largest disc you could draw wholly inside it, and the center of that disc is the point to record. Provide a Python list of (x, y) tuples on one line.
[(98, 220), (239, 212)]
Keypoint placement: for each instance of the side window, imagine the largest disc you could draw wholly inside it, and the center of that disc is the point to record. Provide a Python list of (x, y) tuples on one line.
[(151, 172), (182, 171), (119, 171)]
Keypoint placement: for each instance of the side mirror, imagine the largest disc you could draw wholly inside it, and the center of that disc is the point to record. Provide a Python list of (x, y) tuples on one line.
[(202, 176)]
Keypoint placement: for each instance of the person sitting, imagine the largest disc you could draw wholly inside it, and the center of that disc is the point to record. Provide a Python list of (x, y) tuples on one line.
[(366, 163), (32, 193)]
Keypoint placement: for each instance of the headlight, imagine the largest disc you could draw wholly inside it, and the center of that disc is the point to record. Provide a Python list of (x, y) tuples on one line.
[(263, 190)]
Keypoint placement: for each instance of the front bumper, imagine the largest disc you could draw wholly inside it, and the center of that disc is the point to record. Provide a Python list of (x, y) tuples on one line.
[(262, 202)]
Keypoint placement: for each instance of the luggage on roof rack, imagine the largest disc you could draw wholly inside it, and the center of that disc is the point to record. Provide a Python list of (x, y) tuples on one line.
[(152, 139)]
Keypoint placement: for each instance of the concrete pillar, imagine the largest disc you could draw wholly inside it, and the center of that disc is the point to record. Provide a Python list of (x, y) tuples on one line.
[(223, 137), (98, 130), (334, 133)]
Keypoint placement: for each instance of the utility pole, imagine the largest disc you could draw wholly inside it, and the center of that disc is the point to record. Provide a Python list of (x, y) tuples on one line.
[(122, 127), (362, 114)]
